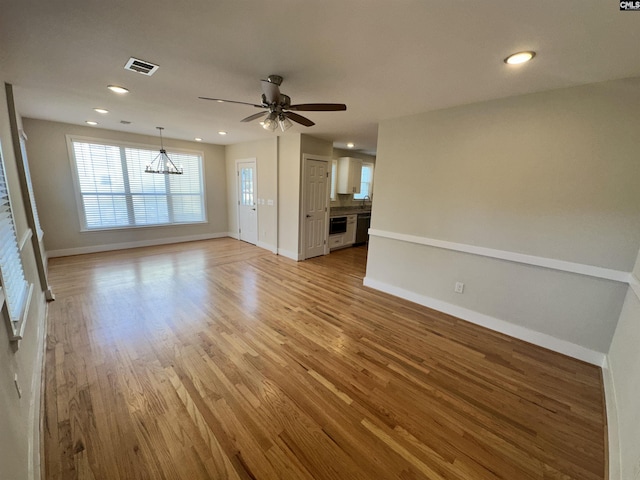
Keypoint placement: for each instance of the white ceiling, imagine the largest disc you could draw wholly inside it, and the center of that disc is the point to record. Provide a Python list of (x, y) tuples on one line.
[(383, 59)]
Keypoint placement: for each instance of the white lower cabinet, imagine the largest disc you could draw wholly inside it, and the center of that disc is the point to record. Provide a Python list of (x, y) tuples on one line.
[(346, 239), (336, 241)]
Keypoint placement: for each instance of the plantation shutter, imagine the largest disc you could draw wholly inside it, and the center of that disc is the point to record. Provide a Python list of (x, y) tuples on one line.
[(11, 271), (116, 191)]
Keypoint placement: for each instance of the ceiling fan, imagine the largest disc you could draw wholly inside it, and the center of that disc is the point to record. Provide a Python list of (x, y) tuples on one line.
[(279, 111)]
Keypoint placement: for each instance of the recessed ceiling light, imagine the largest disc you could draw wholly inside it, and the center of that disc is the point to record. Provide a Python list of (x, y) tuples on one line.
[(117, 89), (100, 110), (350, 145), (222, 132), (91, 122), (198, 139), (520, 57)]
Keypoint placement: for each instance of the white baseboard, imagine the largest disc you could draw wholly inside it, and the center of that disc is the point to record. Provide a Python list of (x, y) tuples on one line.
[(65, 252), (289, 254), (267, 246), (611, 407), (492, 323)]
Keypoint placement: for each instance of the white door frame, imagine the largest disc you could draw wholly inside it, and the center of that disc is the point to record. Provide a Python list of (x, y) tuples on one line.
[(237, 199), (301, 220)]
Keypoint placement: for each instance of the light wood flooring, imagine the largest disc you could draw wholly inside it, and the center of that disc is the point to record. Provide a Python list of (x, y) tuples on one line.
[(219, 360)]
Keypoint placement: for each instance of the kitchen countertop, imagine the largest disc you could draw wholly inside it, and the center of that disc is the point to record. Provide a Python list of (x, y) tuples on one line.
[(339, 211)]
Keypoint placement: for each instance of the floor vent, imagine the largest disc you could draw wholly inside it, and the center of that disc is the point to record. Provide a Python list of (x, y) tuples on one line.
[(141, 66)]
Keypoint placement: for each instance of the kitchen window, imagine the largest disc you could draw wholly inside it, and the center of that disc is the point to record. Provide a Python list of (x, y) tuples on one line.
[(334, 178), (115, 192), (366, 182)]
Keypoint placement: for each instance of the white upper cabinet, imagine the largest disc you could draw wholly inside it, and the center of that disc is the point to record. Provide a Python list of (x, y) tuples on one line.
[(349, 175)]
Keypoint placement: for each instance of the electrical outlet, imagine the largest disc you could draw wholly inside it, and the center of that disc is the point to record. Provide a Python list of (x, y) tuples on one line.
[(459, 288), (18, 389)]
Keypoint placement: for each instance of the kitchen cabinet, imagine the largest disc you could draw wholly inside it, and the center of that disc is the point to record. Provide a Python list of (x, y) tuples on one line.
[(346, 238), (352, 226), (349, 175)]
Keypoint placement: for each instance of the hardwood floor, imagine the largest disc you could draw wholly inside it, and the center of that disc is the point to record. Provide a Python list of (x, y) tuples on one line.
[(219, 360)]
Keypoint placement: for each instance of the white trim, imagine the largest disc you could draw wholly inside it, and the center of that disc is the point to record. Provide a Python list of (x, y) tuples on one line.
[(516, 331), (289, 254), (552, 263), (267, 246), (65, 252), (303, 176), (611, 408), (22, 323), (634, 283), (256, 194), (26, 236), (35, 417)]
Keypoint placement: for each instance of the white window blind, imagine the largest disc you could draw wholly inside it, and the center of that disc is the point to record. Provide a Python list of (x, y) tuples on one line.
[(116, 192), (11, 272), (366, 182)]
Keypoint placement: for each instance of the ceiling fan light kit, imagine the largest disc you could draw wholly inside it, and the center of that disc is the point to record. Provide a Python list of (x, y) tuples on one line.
[(279, 111)]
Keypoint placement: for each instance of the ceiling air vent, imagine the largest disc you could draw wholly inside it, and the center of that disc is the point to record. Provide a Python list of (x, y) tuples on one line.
[(141, 66)]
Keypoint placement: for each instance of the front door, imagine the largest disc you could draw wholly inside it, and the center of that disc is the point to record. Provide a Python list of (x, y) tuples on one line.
[(247, 190), (316, 198)]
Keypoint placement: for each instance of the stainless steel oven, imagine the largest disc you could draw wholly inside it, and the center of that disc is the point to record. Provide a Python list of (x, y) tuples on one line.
[(337, 225)]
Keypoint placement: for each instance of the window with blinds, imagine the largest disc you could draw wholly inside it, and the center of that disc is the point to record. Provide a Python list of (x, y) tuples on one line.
[(115, 191), (14, 284)]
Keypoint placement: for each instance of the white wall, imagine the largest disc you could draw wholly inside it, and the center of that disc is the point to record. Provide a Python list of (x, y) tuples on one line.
[(56, 200), (552, 175), (265, 152), (622, 383), (19, 421)]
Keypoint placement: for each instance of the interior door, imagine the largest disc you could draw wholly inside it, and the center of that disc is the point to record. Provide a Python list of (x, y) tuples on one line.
[(316, 199), (247, 213)]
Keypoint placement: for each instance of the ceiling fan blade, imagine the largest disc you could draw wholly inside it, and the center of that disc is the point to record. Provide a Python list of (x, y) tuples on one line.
[(254, 116), (230, 101), (318, 107), (271, 91), (298, 119)]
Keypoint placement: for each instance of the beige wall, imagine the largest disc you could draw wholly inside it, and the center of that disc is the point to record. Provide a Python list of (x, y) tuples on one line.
[(291, 147), (552, 175), (288, 194), (265, 152), (624, 367), (56, 200), (19, 427)]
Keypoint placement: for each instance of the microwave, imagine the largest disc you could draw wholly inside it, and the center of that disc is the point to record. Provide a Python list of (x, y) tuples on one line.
[(337, 225)]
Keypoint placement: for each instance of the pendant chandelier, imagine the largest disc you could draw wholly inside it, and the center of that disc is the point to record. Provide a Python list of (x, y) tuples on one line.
[(162, 163)]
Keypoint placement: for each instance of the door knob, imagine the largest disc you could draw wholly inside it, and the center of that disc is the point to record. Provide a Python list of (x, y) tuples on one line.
[(308, 216)]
